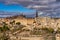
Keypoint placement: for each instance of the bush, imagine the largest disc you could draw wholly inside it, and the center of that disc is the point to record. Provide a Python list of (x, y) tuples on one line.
[(39, 31), (4, 37), (58, 30), (18, 23), (4, 28), (13, 22), (4, 23), (50, 30), (1, 29), (37, 28), (44, 28), (36, 31)]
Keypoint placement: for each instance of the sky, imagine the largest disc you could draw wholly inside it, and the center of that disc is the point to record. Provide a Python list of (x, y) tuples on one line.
[(52, 9), (15, 8)]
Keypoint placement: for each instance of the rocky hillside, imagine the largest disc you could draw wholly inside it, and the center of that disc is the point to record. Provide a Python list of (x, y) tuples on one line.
[(20, 27)]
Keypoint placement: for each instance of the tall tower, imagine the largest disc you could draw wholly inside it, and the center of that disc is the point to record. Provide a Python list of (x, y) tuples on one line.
[(36, 13)]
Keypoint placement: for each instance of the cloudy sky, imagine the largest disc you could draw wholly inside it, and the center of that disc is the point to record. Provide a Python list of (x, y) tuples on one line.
[(8, 9), (14, 8), (47, 8)]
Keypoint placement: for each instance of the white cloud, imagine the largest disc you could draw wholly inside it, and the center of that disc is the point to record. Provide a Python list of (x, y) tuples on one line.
[(40, 13)]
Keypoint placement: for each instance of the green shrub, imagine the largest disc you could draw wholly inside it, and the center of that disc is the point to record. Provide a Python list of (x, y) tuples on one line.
[(36, 31), (4, 28), (4, 23), (13, 22), (1, 29), (44, 28), (18, 23), (50, 30), (36, 28), (58, 30)]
